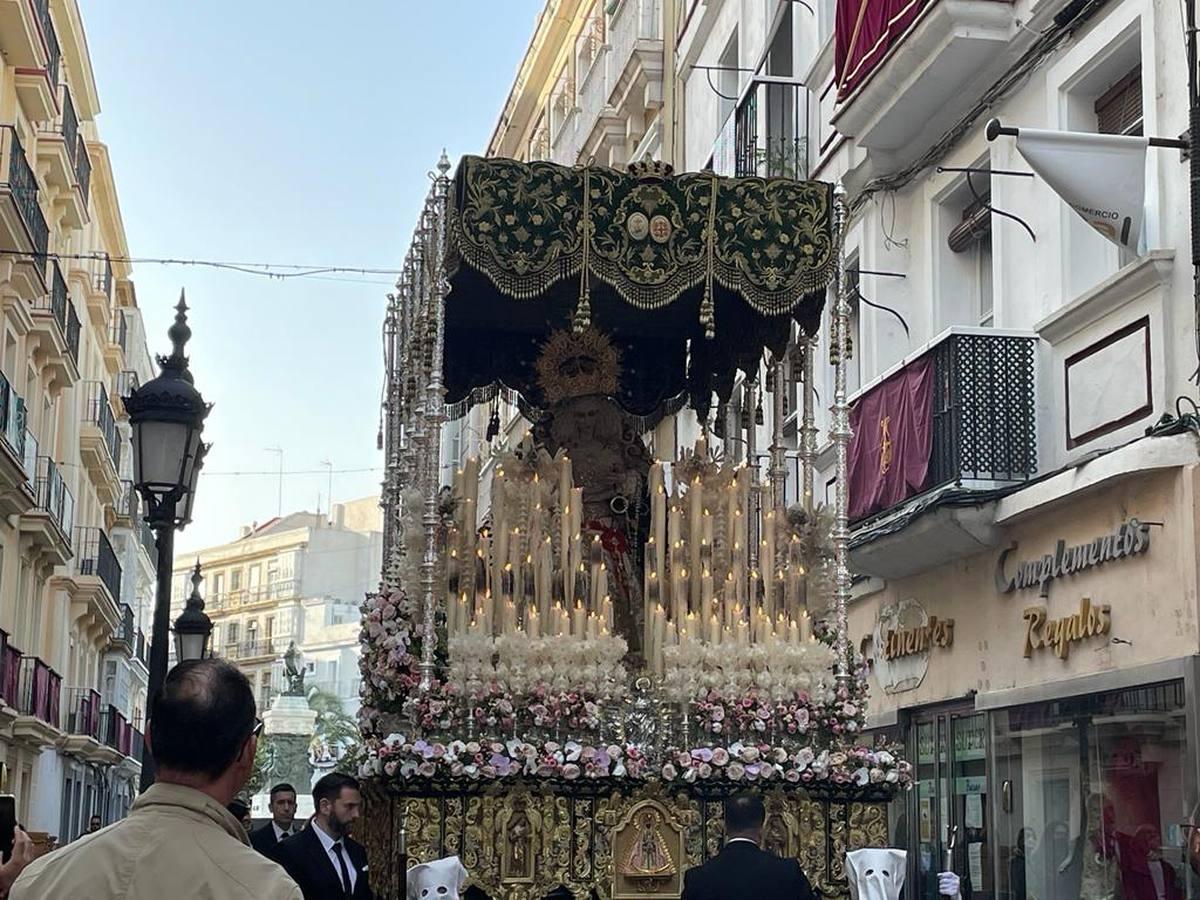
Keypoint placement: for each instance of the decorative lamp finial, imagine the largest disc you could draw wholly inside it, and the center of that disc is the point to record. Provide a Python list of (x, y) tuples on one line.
[(180, 334), (444, 164), (195, 597)]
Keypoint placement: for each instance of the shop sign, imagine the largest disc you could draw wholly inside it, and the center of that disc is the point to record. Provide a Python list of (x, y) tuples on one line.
[(907, 641), (1130, 539), (901, 643), (1042, 632)]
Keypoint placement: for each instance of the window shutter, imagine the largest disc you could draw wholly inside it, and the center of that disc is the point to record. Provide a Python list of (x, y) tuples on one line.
[(1119, 109), (976, 224)]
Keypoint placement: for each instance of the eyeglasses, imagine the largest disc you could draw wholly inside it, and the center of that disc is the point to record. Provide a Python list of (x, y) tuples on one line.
[(258, 727)]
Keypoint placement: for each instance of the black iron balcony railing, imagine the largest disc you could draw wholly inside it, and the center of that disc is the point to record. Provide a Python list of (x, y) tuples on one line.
[(55, 300), (81, 712), (128, 501), (250, 648), (142, 646), (771, 131), (83, 169), (137, 743), (99, 413), (72, 334), (38, 691), (67, 123), (149, 543), (983, 410), (118, 331), (54, 53), (53, 495), (23, 184), (10, 671), (126, 633), (124, 735), (12, 418), (112, 724), (94, 556), (125, 384), (104, 281)]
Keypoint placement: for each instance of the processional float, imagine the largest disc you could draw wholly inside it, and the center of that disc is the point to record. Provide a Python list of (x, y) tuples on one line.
[(578, 649)]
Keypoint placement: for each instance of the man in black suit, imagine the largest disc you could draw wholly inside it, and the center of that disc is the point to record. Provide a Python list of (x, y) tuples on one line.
[(322, 858), (266, 839), (743, 870)]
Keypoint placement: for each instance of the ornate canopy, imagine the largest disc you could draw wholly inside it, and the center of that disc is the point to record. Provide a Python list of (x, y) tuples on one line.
[(690, 276)]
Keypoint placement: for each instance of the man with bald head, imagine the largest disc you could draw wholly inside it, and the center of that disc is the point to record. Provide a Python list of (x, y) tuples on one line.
[(179, 840)]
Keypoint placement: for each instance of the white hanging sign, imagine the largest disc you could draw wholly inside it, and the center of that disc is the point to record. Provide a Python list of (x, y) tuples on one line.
[(1100, 176)]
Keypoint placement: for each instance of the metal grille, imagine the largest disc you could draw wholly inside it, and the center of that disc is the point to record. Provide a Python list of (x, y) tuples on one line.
[(984, 426)]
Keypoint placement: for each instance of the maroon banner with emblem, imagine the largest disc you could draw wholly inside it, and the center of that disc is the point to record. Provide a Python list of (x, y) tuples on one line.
[(864, 33), (892, 440)]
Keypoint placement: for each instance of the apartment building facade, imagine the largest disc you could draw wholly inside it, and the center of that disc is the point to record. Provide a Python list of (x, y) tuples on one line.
[(73, 611), (300, 579)]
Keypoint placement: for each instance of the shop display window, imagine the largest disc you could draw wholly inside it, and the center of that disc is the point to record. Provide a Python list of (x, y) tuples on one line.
[(1091, 800)]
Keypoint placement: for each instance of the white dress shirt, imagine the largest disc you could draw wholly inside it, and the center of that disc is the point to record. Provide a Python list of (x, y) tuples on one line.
[(329, 843), (280, 834)]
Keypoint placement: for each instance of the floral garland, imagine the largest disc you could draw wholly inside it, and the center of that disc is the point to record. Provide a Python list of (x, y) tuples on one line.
[(389, 659), (396, 757)]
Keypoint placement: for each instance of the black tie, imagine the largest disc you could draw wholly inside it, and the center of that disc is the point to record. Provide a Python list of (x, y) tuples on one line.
[(337, 848)]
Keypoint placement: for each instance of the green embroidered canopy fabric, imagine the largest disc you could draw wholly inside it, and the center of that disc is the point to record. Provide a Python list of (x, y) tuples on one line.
[(693, 276)]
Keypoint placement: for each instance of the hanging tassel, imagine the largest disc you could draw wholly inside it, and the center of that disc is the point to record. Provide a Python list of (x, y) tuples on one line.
[(771, 379), (758, 412), (582, 317), (708, 317), (493, 428), (745, 417), (718, 426)]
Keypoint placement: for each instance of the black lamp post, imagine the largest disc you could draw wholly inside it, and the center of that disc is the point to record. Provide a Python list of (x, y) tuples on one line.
[(193, 628), (167, 415)]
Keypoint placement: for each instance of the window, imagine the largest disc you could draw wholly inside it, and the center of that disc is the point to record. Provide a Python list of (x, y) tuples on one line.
[(270, 627), (562, 100), (254, 578), (964, 276), (1093, 796), (218, 585), (235, 579), (231, 635), (728, 79), (1119, 109)]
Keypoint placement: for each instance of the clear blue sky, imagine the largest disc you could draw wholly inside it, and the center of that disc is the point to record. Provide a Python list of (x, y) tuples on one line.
[(297, 131)]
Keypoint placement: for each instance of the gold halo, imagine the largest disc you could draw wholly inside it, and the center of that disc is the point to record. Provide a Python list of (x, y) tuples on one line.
[(601, 378)]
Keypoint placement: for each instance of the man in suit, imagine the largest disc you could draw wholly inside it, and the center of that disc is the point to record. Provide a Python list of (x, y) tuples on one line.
[(743, 870), (323, 859), (282, 805)]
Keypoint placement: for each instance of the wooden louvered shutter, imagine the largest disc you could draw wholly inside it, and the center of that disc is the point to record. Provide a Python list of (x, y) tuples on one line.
[(1119, 109)]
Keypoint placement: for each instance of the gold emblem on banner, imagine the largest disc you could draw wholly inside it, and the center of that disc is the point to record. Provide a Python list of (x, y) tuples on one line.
[(885, 445)]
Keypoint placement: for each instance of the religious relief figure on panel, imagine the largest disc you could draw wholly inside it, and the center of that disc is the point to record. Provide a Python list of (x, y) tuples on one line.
[(649, 854), (579, 376)]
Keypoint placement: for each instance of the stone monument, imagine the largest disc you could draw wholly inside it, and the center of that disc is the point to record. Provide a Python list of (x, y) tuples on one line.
[(288, 729)]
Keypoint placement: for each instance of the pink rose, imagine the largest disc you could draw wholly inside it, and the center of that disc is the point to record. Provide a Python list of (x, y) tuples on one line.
[(669, 772), (720, 757), (735, 771)]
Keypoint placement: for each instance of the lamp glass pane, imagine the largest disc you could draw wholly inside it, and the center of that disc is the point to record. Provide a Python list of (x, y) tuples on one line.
[(159, 449), (190, 646)]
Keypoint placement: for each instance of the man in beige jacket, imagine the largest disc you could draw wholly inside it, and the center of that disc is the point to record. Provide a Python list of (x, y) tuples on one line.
[(179, 841)]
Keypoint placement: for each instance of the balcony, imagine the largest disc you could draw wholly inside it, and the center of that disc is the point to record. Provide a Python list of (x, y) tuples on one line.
[(21, 39), (56, 331), (16, 483), (80, 723), (247, 597), (142, 647), (635, 62), (984, 444), (771, 130), (251, 650), (95, 586), (124, 639), (923, 72), (10, 670), (124, 384), (117, 347), (83, 172), (50, 522), (149, 543), (22, 223), (104, 280), (112, 727), (100, 443), (58, 148), (38, 690), (36, 82), (128, 507)]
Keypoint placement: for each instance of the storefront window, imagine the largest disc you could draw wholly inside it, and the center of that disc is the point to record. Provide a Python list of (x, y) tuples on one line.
[(1091, 801)]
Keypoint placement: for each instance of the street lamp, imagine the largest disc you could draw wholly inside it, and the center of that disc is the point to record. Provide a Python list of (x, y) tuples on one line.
[(193, 628), (167, 416)]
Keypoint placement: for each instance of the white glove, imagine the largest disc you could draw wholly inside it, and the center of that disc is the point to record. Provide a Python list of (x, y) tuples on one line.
[(948, 884)]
